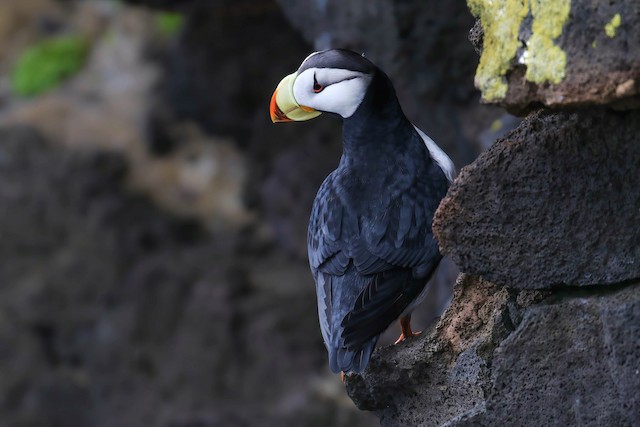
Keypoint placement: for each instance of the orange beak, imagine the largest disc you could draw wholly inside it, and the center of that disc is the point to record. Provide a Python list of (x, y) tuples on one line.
[(284, 107), (277, 116)]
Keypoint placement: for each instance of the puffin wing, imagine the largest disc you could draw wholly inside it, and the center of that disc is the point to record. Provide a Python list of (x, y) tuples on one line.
[(331, 228), (402, 243), (393, 249)]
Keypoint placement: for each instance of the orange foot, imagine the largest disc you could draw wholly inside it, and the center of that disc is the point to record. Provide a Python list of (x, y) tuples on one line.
[(405, 326)]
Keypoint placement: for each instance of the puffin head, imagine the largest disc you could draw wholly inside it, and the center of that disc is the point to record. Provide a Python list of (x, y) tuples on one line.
[(332, 81)]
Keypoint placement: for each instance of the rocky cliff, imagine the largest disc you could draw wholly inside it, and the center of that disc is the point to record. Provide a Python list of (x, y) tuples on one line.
[(153, 220), (544, 328)]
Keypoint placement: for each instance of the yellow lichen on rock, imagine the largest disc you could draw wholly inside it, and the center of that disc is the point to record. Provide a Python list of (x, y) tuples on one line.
[(501, 21), (612, 26), (545, 61)]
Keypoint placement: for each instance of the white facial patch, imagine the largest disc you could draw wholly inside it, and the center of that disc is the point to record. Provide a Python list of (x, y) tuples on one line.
[(439, 156), (342, 90)]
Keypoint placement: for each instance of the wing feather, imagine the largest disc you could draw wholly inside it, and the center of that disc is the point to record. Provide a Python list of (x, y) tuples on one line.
[(387, 250)]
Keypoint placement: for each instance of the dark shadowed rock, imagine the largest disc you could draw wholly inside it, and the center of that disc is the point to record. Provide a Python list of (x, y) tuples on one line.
[(571, 362), (594, 342), (555, 202), (505, 357), (563, 53), (113, 312)]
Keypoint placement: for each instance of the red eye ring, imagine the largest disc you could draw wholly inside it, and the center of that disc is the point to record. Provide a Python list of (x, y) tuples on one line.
[(317, 87)]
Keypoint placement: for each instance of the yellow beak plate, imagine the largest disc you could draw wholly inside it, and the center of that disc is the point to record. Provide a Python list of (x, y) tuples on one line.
[(284, 108)]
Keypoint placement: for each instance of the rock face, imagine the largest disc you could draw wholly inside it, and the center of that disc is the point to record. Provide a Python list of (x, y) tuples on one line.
[(454, 360), (554, 202), (572, 361), (115, 312), (500, 356), (546, 330), (563, 53)]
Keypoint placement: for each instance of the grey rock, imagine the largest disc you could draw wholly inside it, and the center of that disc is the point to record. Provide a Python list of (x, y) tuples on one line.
[(599, 43), (573, 362), (566, 358), (446, 372), (553, 203)]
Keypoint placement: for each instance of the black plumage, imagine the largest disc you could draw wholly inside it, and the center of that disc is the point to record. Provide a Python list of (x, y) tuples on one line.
[(370, 243)]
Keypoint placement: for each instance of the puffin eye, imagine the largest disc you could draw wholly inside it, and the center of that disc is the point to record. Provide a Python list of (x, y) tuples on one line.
[(317, 87)]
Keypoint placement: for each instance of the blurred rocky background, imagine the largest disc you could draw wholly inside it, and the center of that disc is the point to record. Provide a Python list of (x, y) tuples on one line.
[(153, 220)]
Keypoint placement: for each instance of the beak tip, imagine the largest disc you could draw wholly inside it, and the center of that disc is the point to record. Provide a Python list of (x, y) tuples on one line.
[(274, 110), (276, 114)]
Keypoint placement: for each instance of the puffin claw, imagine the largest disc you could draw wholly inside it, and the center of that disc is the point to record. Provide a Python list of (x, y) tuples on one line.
[(405, 326), (403, 337)]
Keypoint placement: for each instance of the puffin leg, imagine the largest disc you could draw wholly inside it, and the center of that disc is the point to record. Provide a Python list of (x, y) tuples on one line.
[(405, 326)]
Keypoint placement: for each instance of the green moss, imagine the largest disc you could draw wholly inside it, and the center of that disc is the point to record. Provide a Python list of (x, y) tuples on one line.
[(612, 26), (44, 65), (501, 21), (545, 61), (169, 23)]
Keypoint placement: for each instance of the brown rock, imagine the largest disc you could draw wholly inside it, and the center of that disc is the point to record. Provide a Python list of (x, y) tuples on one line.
[(555, 202)]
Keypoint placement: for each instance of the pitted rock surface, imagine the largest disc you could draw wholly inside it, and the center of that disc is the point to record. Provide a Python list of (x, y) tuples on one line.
[(443, 373), (571, 362), (553, 203)]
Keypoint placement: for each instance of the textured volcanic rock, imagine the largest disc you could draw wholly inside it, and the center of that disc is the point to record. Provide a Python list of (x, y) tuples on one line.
[(554, 202), (563, 53), (579, 359), (572, 362), (500, 356), (447, 372)]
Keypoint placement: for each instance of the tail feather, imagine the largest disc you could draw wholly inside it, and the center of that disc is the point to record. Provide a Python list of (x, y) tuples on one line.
[(342, 359)]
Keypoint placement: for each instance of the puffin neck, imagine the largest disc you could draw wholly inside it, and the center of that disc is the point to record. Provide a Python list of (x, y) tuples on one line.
[(378, 123)]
